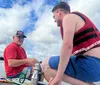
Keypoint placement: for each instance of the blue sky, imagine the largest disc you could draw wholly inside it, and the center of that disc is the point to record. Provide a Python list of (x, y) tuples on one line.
[(30, 15), (34, 17)]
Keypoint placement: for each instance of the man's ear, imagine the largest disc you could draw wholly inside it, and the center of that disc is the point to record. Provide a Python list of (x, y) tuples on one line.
[(13, 37)]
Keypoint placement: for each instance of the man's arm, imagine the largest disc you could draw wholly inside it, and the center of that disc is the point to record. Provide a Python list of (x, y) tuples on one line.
[(11, 54), (69, 24), (18, 62)]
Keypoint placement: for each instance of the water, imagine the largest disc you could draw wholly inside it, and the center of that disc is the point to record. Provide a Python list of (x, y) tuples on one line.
[(2, 71)]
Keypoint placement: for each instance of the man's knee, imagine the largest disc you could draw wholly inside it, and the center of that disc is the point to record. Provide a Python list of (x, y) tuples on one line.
[(45, 64)]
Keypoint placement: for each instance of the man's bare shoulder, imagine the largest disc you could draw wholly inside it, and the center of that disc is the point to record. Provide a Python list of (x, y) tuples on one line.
[(70, 17), (69, 27), (70, 21), (75, 20)]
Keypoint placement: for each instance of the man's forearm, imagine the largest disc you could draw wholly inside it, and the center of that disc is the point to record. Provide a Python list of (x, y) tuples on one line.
[(64, 59), (16, 62)]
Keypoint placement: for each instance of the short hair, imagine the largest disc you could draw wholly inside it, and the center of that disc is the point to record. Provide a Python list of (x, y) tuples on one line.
[(62, 5)]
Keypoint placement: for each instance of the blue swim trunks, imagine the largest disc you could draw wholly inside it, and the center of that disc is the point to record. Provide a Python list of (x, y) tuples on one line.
[(27, 71), (85, 68)]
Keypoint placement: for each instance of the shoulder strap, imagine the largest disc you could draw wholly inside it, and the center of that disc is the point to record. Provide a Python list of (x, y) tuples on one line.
[(79, 14)]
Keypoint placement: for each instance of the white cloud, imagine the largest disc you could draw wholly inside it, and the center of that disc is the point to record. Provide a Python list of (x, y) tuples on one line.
[(45, 43), (44, 28), (46, 37), (12, 19), (90, 7), (45, 40)]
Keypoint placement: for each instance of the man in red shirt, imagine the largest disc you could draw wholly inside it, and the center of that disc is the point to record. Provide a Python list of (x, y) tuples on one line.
[(15, 58)]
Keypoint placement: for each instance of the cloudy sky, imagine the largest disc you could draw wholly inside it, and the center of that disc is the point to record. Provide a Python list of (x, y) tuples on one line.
[(34, 17)]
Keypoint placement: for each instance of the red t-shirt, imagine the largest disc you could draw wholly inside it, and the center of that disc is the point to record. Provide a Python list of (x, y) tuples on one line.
[(14, 51)]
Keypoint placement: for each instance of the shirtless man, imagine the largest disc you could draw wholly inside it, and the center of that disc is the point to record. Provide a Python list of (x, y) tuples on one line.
[(79, 57)]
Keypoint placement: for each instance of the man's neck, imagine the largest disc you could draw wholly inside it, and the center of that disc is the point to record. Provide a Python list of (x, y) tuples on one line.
[(64, 14), (16, 43)]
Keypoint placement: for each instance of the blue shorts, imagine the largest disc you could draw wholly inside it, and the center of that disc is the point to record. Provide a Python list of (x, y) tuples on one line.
[(28, 74), (85, 68)]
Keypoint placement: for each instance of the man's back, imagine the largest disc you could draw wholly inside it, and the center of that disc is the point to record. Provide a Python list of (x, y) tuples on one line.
[(13, 51), (87, 33), (86, 40)]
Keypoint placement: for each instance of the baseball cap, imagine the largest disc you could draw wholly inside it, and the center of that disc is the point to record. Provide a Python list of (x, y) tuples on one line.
[(20, 34)]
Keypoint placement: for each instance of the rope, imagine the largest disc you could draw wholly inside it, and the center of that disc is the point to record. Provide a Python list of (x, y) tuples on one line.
[(22, 76)]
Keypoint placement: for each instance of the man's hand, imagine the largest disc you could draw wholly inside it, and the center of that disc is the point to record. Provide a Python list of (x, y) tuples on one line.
[(31, 61), (55, 81)]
